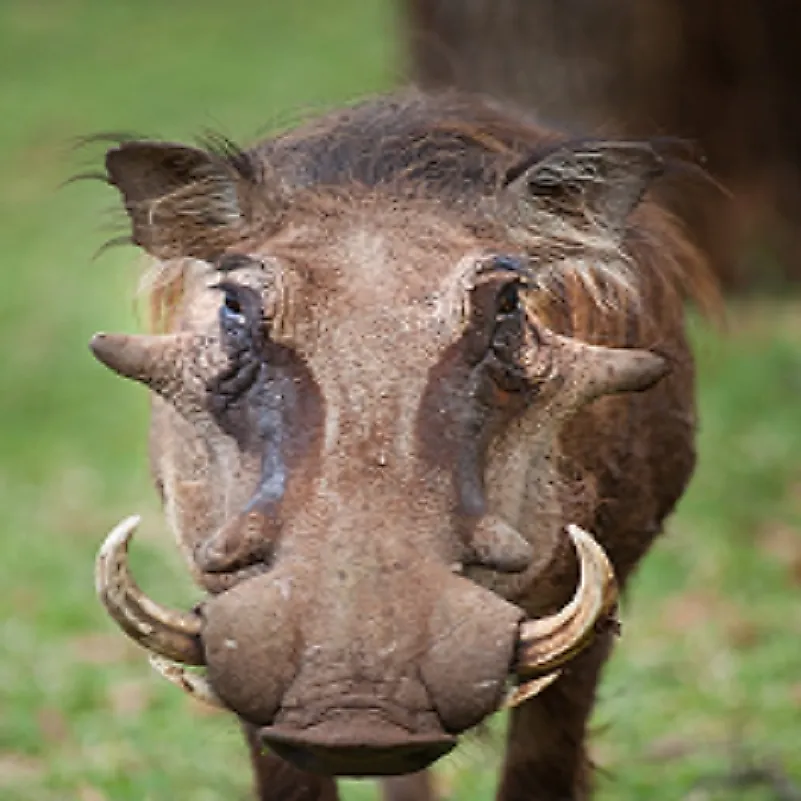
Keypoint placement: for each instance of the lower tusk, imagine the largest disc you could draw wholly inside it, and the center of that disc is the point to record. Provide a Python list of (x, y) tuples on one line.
[(194, 684), (547, 644), (521, 693), (166, 632)]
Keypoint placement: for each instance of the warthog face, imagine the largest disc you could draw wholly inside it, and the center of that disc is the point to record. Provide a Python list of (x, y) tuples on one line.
[(356, 406)]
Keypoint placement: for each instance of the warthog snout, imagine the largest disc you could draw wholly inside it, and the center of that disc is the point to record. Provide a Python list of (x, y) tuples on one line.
[(384, 693), (396, 707)]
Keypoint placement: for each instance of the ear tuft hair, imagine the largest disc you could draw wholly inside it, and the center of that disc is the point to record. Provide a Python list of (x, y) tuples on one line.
[(603, 181), (569, 208), (186, 201)]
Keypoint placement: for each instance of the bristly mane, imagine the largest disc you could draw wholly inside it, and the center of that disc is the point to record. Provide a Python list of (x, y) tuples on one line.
[(446, 146)]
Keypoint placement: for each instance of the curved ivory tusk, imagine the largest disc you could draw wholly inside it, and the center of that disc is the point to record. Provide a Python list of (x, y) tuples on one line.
[(546, 644), (169, 633), (528, 689), (195, 684)]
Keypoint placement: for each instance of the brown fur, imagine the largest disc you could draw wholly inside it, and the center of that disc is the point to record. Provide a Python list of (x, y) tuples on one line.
[(366, 215), (723, 76)]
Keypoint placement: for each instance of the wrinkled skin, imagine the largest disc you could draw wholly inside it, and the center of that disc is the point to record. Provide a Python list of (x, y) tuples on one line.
[(375, 412)]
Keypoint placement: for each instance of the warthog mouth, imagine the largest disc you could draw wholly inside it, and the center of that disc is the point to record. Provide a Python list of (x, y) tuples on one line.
[(357, 743), (355, 736), (358, 734)]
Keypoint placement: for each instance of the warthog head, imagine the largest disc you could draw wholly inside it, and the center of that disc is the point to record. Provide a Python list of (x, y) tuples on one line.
[(357, 409)]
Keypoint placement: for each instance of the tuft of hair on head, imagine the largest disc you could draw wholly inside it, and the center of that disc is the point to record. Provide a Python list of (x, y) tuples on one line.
[(161, 288)]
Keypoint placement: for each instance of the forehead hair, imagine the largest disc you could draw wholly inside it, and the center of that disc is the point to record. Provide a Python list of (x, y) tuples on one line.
[(445, 146)]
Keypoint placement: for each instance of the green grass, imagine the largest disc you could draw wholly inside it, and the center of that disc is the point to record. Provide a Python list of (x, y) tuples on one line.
[(708, 674)]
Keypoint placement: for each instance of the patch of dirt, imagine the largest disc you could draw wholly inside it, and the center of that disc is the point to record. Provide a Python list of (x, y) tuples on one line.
[(87, 793), (129, 699), (700, 609), (53, 725), (782, 543), (19, 768), (104, 648)]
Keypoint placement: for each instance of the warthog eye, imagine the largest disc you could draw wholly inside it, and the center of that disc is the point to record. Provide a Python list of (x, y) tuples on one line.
[(508, 331), (501, 338), (242, 321), (242, 335), (509, 299), (508, 341), (232, 304), (231, 311)]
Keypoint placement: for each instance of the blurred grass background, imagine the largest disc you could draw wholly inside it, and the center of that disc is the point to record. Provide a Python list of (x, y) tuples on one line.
[(703, 698)]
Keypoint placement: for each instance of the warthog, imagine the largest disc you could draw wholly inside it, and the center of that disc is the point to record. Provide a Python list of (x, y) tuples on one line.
[(421, 398)]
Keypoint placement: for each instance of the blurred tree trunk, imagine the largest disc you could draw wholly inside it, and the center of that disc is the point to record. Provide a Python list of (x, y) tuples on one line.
[(724, 75)]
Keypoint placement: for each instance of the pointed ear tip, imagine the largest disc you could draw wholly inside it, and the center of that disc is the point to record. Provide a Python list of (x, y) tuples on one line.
[(117, 159), (114, 153), (121, 155), (112, 165)]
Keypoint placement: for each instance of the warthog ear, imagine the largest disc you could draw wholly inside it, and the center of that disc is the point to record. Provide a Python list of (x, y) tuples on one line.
[(185, 201), (603, 181)]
